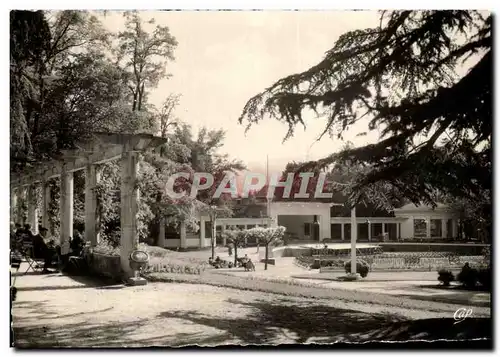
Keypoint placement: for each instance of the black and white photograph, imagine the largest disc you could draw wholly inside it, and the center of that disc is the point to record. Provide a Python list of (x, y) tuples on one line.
[(233, 179)]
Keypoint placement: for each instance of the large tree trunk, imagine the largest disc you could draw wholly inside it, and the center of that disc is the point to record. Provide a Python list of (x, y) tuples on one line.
[(235, 254)]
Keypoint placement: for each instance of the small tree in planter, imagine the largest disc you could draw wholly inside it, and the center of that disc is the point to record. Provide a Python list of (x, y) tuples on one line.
[(445, 277), (268, 237), (236, 237)]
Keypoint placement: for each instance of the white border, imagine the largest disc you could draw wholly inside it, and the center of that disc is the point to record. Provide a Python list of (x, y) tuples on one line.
[(182, 4)]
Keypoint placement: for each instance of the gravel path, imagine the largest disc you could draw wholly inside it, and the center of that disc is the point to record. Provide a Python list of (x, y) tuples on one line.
[(58, 311)]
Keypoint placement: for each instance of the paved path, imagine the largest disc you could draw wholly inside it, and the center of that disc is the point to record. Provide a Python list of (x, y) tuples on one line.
[(58, 311)]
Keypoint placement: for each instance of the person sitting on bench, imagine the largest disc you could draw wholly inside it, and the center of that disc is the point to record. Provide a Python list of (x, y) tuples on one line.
[(42, 251)]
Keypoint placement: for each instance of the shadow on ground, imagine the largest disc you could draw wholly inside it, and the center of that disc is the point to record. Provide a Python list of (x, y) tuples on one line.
[(281, 321), (324, 324), (82, 281)]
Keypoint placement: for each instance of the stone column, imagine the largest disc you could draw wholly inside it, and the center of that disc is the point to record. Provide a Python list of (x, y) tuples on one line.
[(202, 232), (161, 233), (13, 204), (454, 228), (444, 228), (222, 230), (128, 208), (91, 214), (46, 206), (325, 226), (66, 206), (21, 197), (342, 231), (354, 236), (32, 209), (183, 235), (428, 226), (369, 231), (397, 231)]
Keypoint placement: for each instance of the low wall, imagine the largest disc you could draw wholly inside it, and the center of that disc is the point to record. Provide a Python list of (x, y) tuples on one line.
[(105, 265)]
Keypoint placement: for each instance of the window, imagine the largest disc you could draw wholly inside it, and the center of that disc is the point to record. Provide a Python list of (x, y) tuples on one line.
[(171, 232), (347, 231), (307, 229), (419, 228), (436, 228), (336, 230)]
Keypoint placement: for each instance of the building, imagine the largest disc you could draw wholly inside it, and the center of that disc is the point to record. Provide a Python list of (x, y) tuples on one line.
[(316, 221)]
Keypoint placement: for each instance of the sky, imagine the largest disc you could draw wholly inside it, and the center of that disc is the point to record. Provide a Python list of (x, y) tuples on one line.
[(225, 57)]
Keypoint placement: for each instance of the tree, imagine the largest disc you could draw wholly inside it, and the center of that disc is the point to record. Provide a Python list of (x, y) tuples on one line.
[(236, 237), (436, 126), (56, 71), (268, 237), (144, 55)]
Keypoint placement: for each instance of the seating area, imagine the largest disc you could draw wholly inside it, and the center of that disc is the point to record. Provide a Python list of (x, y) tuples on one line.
[(42, 254)]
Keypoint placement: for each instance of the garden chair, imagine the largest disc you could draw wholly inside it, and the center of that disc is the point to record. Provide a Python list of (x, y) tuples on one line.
[(26, 253)]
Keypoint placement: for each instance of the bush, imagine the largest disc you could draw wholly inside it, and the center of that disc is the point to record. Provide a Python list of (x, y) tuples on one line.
[(361, 267), (468, 276), (445, 277), (107, 248), (484, 277)]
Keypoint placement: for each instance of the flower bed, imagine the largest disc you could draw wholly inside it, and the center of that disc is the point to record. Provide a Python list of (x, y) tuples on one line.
[(160, 260), (394, 261)]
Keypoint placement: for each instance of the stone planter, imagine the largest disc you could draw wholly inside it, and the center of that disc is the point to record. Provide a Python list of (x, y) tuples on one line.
[(105, 265)]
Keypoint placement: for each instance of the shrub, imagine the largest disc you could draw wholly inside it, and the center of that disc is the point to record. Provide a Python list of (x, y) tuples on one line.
[(107, 248), (468, 276), (445, 277), (175, 266), (361, 267), (484, 277)]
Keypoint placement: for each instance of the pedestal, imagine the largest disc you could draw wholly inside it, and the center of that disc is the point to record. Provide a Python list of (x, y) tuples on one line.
[(136, 281)]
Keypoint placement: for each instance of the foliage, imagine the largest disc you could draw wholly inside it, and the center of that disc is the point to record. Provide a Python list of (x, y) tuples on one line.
[(362, 267), (468, 276), (107, 248), (56, 72), (484, 277), (267, 236), (144, 55), (445, 277), (402, 75)]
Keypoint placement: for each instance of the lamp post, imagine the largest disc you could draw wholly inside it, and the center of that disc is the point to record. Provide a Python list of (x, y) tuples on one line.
[(369, 230), (213, 220), (354, 233)]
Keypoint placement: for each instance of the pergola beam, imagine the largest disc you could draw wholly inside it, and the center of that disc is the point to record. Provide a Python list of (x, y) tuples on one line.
[(106, 147)]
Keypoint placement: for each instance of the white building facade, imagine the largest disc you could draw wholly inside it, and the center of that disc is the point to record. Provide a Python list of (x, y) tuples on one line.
[(312, 221)]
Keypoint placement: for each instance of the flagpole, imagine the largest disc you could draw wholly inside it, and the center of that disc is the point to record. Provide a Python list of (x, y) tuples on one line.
[(268, 199)]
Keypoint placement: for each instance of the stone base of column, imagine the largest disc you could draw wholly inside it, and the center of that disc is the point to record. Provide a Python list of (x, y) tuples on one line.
[(350, 277), (136, 281)]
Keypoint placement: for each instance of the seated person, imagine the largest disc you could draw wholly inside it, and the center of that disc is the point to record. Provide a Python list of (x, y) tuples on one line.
[(42, 251), (25, 234), (77, 245)]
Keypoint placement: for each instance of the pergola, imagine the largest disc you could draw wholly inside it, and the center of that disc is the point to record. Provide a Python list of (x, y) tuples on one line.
[(101, 148)]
